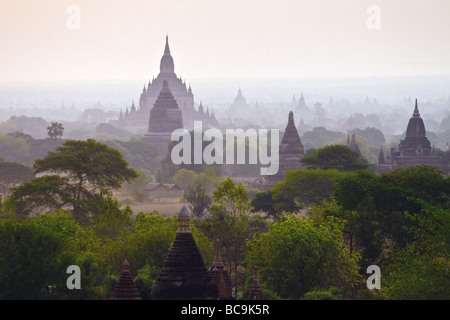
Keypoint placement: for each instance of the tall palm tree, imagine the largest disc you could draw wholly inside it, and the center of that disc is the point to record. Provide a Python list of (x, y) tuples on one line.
[(55, 130)]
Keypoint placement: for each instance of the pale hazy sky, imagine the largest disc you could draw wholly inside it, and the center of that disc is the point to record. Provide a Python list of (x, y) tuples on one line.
[(124, 39)]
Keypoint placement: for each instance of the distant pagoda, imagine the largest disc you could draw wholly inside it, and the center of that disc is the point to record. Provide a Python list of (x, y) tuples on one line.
[(220, 276), (165, 117), (184, 275), (414, 150), (352, 145), (255, 289), (291, 150), (416, 142), (125, 288)]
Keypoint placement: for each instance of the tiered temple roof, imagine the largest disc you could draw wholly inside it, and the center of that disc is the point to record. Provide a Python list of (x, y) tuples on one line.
[(184, 275), (165, 115), (125, 288), (352, 144), (414, 150), (416, 142), (180, 91), (220, 277), (291, 150), (255, 289)]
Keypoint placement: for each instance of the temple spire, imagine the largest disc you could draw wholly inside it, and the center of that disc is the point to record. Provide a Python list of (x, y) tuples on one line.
[(291, 117), (352, 144), (381, 158), (125, 288), (166, 49), (183, 220), (255, 289), (167, 65), (219, 275), (218, 257), (416, 113), (184, 275)]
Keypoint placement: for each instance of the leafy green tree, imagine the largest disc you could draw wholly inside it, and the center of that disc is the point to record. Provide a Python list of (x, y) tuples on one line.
[(335, 157), (187, 178), (140, 154), (39, 148), (319, 137), (375, 205), (264, 202), (87, 162), (230, 230), (13, 174), (330, 294), (232, 198), (229, 222), (40, 195), (421, 270), (296, 256), (28, 267), (373, 136), (112, 220), (36, 252), (165, 173), (55, 130), (149, 243), (302, 188), (14, 148), (84, 172), (184, 178), (199, 200)]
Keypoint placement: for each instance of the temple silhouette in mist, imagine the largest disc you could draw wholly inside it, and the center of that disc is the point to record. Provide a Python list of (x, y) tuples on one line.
[(414, 150), (137, 117)]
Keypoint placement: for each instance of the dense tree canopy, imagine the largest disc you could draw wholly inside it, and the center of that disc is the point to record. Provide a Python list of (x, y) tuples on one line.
[(303, 188), (199, 201), (83, 173), (88, 162), (421, 270), (13, 174), (374, 137), (335, 157), (297, 256), (264, 202), (35, 254), (375, 205), (68, 215), (319, 137)]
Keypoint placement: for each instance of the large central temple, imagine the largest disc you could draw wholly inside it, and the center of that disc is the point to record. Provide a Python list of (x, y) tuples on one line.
[(138, 117)]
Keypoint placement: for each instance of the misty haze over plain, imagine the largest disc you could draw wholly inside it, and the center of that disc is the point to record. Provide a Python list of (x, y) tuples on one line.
[(272, 51)]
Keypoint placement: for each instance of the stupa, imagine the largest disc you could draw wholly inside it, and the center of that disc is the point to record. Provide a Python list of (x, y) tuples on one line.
[(125, 288), (255, 290), (414, 150), (220, 276), (352, 145), (184, 275), (291, 151), (165, 117)]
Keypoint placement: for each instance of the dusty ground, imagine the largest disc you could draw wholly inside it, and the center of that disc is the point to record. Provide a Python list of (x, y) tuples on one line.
[(165, 206)]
